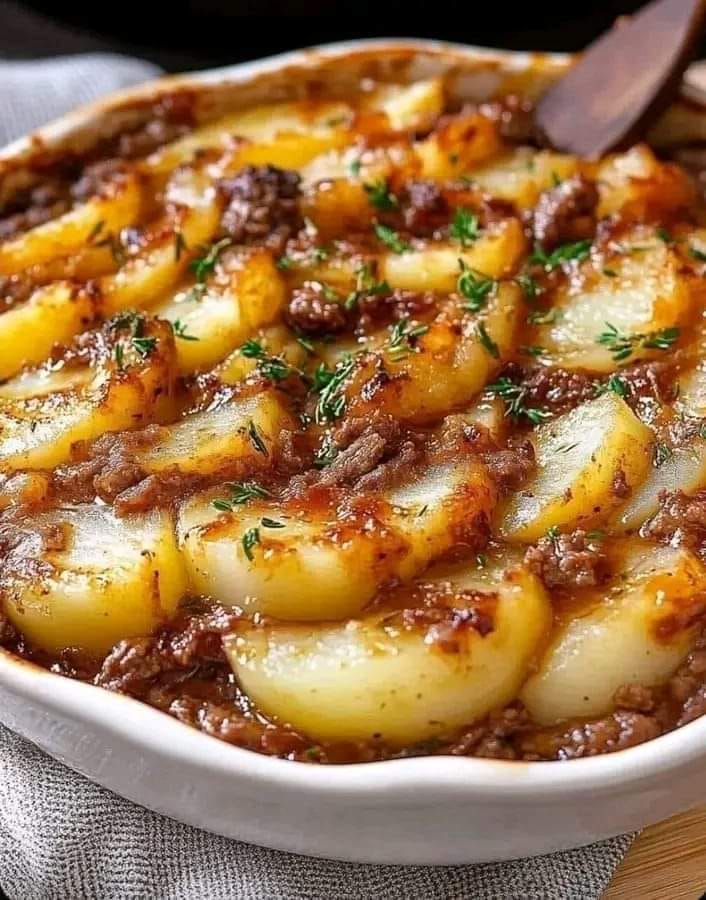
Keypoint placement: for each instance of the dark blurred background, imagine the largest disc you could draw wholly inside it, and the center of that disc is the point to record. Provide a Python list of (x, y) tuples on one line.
[(187, 34)]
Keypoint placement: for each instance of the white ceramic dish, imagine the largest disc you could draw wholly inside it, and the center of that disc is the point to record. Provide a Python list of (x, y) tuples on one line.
[(425, 810)]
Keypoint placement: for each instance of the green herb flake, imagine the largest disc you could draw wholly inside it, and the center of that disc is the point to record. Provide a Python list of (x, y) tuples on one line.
[(621, 346), (250, 540), (513, 396), (390, 238), (464, 227), (403, 337), (241, 492), (575, 252), (204, 265), (256, 439), (380, 196), (95, 231), (664, 235), (530, 287), (285, 262), (533, 350), (697, 254), (365, 285), (144, 346), (486, 341), (329, 386), (475, 287), (595, 535), (119, 354), (326, 454), (179, 329), (542, 317), (661, 454), (481, 560), (611, 273), (266, 522), (354, 168), (179, 245)]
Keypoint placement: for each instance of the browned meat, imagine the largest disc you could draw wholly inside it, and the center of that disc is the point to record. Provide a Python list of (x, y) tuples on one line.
[(565, 213), (155, 490), (515, 118), (636, 697), (261, 206), (374, 309), (625, 728), (8, 635), (568, 560), (424, 208), (493, 738), (42, 203), (95, 177), (679, 517), (311, 312), (14, 289), (557, 390), (511, 465)]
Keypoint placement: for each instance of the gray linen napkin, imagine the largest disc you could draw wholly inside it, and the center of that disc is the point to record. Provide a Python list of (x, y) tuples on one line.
[(64, 838)]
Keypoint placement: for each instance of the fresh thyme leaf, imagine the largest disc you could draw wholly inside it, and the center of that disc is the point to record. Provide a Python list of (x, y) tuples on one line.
[(695, 253), (621, 346), (285, 262), (354, 168), (115, 246), (661, 454), (250, 539), (566, 253), (423, 510), (533, 351), (329, 386), (390, 238), (328, 292), (222, 505), (464, 227), (513, 395), (179, 245), (542, 316), (252, 349), (179, 329), (530, 287), (240, 493), (274, 368), (553, 532), (256, 439), (326, 454), (486, 341), (305, 343), (380, 195), (595, 535), (144, 346), (202, 266), (475, 287), (271, 523), (95, 231), (556, 181), (566, 448), (119, 354), (664, 235), (365, 285), (403, 336), (615, 384), (611, 273)]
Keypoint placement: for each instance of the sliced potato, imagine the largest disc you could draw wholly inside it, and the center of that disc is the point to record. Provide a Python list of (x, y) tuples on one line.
[(52, 315), (637, 292), (448, 367), (436, 268), (579, 455), (315, 564), (38, 432), (637, 631), (116, 207), (209, 325), (637, 185), (112, 578), (522, 174), (275, 340), (458, 145), (239, 433), (410, 106), (683, 470), (385, 678)]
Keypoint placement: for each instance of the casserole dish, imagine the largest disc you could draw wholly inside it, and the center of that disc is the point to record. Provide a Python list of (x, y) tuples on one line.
[(431, 810)]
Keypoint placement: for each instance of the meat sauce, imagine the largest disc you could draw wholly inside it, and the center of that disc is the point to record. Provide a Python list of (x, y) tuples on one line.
[(349, 437)]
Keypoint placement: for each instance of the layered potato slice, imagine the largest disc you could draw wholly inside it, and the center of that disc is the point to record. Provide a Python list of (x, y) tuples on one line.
[(209, 324), (441, 655), (579, 457), (53, 314), (636, 630), (275, 340), (82, 577), (639, 186), (638, 294), (458, 146), (522, 174), (234, 435), (304, 562), (122, 390), (448, 365), (116, 207)]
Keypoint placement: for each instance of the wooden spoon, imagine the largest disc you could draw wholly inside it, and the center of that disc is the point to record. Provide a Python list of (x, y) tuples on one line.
[(623, 81)]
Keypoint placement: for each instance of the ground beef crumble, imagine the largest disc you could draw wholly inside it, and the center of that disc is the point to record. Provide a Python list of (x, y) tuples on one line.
[(680, 518), (568, 560), (310, 312), (565, 213)]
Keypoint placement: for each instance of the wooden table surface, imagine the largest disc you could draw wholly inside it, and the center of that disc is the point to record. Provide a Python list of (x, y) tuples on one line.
[(666, 862)]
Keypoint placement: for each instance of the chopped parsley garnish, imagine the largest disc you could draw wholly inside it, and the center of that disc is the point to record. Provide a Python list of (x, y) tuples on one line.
[(530, 287), (566, 253), (542, 316), (240, 493), (179, 245), (365, 285), (486, 341), (697, 254), (475, 287), (661, 454), (179, 329), (513, 395), (271, 523), (250, 540), (329, 386), (464, 227), (390, 238), (403, 336), (203, 265), (621, 346), (256, 438), (380, 195)]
